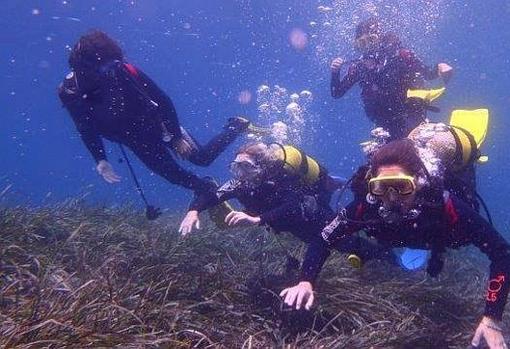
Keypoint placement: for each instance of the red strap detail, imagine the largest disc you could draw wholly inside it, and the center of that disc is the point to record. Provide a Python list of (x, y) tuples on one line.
[(131, 69), (405, 54), (359, 211), (495, 285), (451, 212)]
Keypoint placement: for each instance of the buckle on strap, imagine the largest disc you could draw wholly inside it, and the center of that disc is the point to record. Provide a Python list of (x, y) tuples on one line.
[(341, 218)]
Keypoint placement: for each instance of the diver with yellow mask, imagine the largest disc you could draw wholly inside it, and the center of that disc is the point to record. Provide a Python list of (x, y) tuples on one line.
[(385, 72), (402, 200), (282, 188), (406, 207)]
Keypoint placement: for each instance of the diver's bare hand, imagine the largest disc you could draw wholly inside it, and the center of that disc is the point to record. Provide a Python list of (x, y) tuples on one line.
[(190, 220), (238, 218), (182, 147), (490, 330), (298, 294), (445, 71), (336, 65), (105, 169)]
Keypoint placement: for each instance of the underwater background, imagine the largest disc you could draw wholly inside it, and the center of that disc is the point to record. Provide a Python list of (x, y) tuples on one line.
[(211, 57), (80, 266)]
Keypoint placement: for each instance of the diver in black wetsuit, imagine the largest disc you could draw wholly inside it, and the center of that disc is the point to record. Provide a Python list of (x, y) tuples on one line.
[(385, 72), (406, 207), (109, 98), (273, 197)]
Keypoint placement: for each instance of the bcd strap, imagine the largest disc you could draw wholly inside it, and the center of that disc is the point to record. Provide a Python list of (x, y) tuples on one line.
[(467, 149), (303, 166)]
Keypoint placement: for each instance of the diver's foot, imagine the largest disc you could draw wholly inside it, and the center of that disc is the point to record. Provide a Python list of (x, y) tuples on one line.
[(238, 124), (241, 124)]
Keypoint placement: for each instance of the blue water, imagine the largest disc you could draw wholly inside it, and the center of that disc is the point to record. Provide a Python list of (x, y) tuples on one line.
[(204, 53)]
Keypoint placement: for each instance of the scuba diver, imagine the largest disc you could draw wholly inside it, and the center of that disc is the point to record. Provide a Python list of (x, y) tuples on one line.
[(110, 98), (401, 201), (385, 72), (282, 188)]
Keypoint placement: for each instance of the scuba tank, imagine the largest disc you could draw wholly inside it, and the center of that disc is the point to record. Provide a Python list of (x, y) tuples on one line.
[(456, 145), (297, 163)]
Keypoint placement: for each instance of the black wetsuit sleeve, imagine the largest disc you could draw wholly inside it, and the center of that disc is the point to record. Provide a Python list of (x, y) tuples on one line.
[(290, 209), (79, 113), (93, 142), (483, 235), (315, 257), (340, 86), (207, 200), (416, 65), (164, 108)]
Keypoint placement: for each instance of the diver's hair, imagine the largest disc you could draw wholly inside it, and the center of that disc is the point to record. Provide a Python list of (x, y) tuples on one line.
[(402, 153), (370, 25), (260, 152), (93, 49)]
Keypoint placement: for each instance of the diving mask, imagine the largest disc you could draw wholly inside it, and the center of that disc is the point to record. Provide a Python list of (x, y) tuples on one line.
[(400, 184), (244, 169), (367, 42)]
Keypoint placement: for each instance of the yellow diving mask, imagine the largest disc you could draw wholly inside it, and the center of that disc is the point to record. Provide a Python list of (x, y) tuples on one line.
[(400, 184)]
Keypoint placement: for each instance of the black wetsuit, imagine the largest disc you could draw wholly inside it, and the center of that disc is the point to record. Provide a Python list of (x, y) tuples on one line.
[(384, 78), (284, 205), (122, 104), (451, 224)]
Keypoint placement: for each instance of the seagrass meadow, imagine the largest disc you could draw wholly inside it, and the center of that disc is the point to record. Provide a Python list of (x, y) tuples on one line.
[(75, 276)]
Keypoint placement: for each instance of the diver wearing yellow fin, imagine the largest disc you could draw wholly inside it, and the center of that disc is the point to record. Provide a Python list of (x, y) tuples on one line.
[(404, 203), (448, 152), (385, 72)]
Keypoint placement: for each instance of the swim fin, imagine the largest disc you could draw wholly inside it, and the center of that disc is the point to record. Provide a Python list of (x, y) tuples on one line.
[(258, 131), (243, 124), (474, 122), (413, 259), (426, 95)]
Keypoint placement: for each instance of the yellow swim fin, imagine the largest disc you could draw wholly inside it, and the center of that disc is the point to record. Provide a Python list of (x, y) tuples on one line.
[(426, 95), (218, 213), (475, 123)]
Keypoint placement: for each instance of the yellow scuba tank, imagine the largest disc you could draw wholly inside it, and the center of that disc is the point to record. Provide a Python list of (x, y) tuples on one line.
[(458, 144), (294, 162), (298, 163)]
